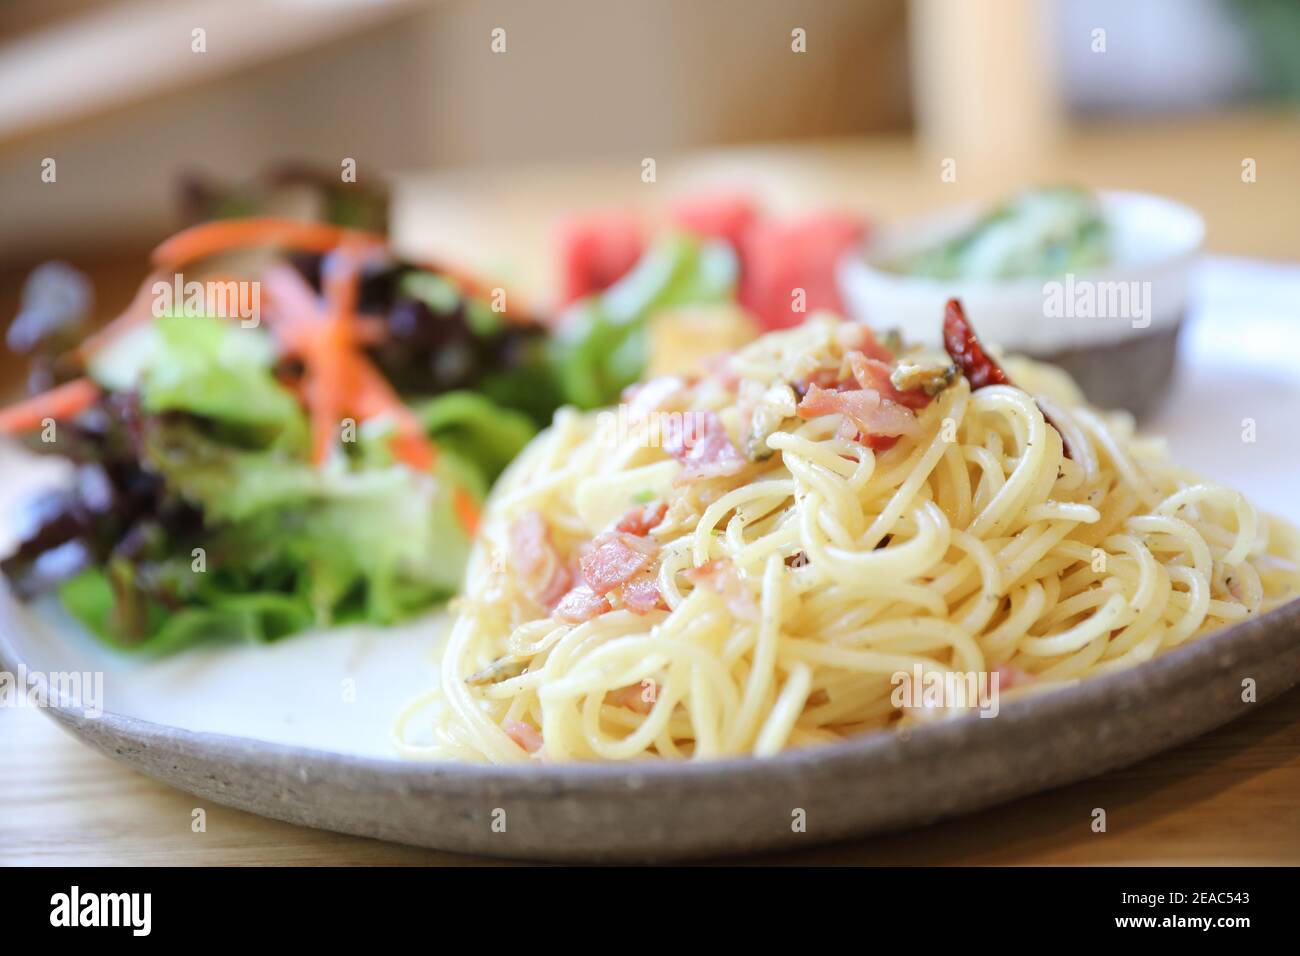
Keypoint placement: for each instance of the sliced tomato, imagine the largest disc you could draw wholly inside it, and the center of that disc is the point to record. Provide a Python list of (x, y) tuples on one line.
[(596, 251), (717, 217), (781, 258)]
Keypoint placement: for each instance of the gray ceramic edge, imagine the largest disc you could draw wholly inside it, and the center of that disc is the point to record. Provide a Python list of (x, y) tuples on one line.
[(656, 811)]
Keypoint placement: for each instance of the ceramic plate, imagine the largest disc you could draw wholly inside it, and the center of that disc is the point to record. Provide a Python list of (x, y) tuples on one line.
[(299, 730)]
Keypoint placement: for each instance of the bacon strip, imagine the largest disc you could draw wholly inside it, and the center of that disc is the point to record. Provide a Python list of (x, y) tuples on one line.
[(635, 697), (581, 604), (822, 378), (1010, 676), (873, 348), (704, 449), (615, 558), (878, 443), (641, 521), (876, 374), (641, 595), (874, 415), (528, 737), (534, 558)]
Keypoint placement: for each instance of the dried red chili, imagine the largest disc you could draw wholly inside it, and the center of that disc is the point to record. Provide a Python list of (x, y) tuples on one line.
[(964, 348)]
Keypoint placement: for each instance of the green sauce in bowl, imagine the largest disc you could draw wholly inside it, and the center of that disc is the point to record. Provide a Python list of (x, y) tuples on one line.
[(1038, 232)]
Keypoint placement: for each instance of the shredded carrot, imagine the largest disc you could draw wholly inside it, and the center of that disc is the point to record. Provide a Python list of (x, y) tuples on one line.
[(225, 235), (59, 403), (330, 351), (413, 449), (294, 315), (467, 510), (369, 329), (373, 397), (326, 387), (339, 377)]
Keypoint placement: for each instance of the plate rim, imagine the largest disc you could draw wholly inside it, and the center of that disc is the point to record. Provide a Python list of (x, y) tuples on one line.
[(1275, 630)]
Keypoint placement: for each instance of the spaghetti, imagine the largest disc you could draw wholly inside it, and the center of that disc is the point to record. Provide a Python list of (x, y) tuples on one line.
[(814, 519)]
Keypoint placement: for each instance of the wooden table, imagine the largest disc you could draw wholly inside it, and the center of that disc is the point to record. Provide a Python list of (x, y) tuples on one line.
[(1229, 797), (1226, 798)]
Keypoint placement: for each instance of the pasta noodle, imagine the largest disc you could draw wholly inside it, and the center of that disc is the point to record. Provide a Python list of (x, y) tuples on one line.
[(792, 588)]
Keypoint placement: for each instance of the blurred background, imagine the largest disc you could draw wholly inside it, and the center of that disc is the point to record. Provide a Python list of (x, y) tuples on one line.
[(474, 125)]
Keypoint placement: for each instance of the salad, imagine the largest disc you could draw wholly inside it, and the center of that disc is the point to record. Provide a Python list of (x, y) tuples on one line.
[(253, 479), (323, 461)]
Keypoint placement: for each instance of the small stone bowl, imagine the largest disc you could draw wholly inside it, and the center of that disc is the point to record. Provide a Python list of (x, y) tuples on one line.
[(1114, 328)]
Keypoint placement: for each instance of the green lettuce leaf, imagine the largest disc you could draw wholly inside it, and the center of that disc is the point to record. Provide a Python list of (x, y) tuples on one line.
[(362, 530), (602, 345), (208, 367), (284, 545), (257, 617), (477, 429)]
